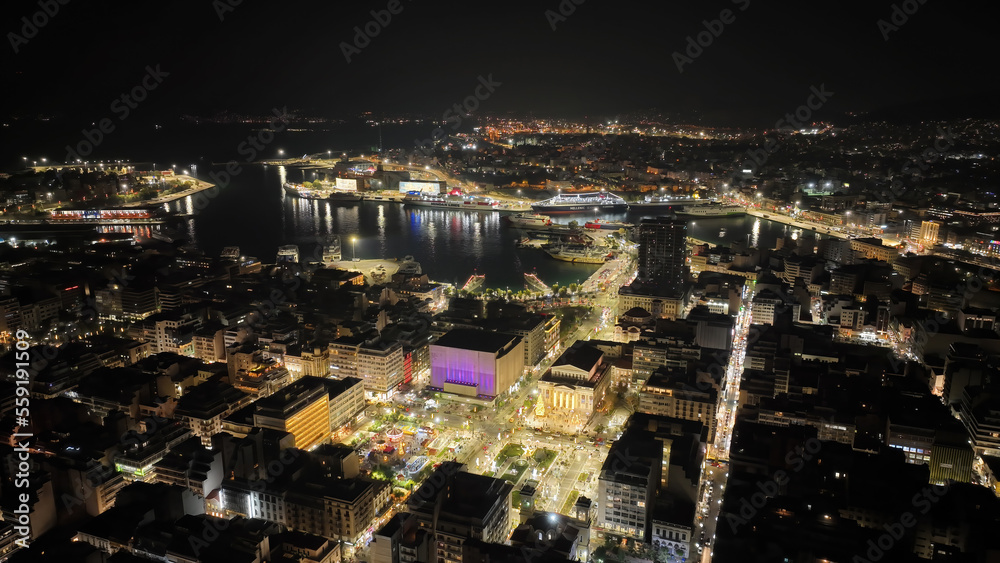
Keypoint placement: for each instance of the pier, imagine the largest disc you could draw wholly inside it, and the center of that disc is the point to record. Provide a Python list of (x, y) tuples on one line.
[(611, 274), (535, 285)]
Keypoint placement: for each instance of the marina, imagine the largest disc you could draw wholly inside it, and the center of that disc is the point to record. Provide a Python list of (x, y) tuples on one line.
[(450, 244)]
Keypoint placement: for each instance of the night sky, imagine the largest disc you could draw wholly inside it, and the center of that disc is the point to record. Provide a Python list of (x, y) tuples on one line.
[(604, 59)]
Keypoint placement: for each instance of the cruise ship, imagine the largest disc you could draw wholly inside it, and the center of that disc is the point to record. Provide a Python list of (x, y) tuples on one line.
[(581, 203), (529, 220), (713, 209), (452, 202), (578, 254), (658, 203)]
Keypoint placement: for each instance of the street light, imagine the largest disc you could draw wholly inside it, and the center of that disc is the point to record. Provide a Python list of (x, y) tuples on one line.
[(354, 253)]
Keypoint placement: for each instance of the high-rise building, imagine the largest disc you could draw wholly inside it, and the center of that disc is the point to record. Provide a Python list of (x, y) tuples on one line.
[(663, 253)]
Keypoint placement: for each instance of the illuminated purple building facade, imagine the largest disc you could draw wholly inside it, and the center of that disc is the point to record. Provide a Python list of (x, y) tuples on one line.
[(476, 363)]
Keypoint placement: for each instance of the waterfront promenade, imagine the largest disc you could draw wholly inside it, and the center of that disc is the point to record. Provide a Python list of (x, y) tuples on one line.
[(820, 228), (199, 185)]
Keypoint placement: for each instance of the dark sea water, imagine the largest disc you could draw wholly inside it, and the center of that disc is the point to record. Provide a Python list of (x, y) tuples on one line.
[(254, 213)]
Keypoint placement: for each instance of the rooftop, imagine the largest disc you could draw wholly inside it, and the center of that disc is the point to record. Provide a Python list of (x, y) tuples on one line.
[(477, 340)]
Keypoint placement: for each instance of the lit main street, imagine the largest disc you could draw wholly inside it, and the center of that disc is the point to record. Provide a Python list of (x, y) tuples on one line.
[(714, 478)]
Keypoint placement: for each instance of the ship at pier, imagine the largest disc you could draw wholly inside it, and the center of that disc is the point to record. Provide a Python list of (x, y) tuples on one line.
[(610, 225), (455, 202), (529, 220), (713, 209), (578, 254), (300, 191), (660, 203), (581, 203)]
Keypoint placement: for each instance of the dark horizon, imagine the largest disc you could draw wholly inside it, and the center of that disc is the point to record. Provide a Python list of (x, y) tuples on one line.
[(598, 61)]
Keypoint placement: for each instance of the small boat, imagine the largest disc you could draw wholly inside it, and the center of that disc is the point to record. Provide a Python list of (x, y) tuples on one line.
[(722, 232), (344, 197)]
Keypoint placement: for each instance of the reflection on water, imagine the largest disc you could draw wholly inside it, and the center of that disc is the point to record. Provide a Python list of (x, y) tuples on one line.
[(450, 245)]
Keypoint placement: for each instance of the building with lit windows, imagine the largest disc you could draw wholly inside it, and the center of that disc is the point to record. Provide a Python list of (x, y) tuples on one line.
[(205, 406), (663, 254), (626, 488), (648, 484), (379, 364), (668, 392), (873, 249), (574, 388), (306, 361), (302, 409), (344, 356), (654, 302), (347, 401)]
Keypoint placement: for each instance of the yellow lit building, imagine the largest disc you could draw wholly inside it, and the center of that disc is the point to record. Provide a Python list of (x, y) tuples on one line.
[(574, 389), (302, 409), (929, 233)]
